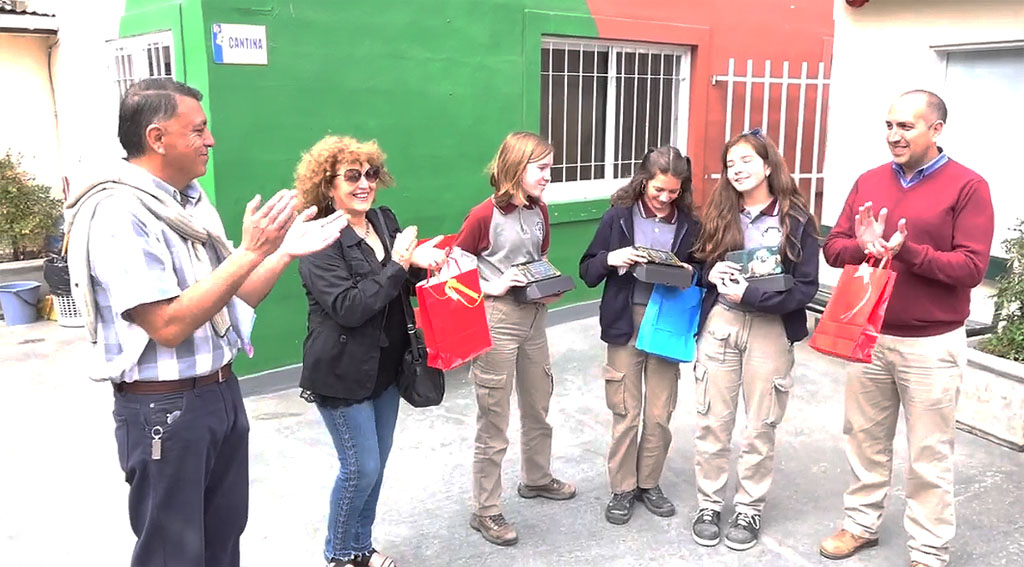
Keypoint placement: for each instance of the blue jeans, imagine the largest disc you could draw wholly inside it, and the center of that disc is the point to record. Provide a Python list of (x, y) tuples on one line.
[(362, 435)]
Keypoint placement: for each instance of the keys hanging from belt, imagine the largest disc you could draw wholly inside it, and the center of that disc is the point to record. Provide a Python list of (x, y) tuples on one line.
[(156, 446)]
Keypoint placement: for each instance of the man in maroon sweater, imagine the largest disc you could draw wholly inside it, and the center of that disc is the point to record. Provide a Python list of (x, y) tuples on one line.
[(939, 247)]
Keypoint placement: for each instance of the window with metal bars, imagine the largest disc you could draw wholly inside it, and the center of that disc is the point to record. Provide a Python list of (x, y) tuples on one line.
[(142, 57), (603, 104)]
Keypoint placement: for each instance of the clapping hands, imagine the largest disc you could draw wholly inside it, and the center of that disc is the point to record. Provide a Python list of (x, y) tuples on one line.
[(405, 245), (869, 230), (278, 227), (428, 256)]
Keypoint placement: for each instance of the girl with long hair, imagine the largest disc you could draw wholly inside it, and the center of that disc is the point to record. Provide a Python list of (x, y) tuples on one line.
[(748, 332), (508, 228), (655, 210)]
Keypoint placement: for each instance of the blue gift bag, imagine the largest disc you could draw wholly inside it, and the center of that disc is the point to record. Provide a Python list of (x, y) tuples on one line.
[(669, 327)]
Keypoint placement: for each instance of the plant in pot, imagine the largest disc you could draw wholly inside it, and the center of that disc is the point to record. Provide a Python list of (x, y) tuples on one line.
[(1008, 339), (992, 391), (28, 210)]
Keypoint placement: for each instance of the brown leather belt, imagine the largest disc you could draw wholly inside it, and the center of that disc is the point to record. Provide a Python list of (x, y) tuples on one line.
[(174, 386)]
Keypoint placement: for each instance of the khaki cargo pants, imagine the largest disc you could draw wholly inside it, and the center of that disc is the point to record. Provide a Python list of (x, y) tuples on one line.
[(520, 357), (922, 376), (746, 352), (639, 385)]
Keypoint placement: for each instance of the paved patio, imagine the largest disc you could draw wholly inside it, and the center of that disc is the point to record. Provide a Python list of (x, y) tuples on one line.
[(63, 495)]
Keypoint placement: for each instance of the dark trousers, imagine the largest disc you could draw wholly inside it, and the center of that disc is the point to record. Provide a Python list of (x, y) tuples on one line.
[(189, 507)]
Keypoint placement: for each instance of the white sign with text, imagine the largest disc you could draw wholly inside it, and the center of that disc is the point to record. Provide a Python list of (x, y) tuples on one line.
[(239, 44)]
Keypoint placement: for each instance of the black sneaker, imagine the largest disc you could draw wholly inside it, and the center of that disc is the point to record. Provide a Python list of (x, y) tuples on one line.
[(705, 527), (656, 501), (620, 508), (743, 531)]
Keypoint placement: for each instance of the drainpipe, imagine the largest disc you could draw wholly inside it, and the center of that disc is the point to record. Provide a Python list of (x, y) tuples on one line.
[(56, 119)]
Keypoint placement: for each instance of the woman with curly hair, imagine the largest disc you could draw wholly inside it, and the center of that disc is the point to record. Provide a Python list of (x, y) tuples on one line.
[(655, 210), (747, 332), (358, 290)]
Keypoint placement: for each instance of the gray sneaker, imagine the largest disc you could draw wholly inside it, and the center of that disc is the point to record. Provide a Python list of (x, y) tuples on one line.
[(495, 529), (705, 527), (553, 490), (743, 531)]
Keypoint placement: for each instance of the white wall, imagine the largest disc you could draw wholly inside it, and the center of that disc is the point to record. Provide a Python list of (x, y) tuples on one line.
[(67, 128), (27, 124), (87, 96), (886, 48)]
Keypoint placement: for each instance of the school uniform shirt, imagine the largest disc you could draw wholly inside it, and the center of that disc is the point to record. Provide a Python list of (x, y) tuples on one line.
[(501, 237)]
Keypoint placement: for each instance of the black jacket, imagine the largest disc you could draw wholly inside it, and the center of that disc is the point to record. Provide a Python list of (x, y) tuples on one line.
[(614, 232), (348, 289), (791, 304)]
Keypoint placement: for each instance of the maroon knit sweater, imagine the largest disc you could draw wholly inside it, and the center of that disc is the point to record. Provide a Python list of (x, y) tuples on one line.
[(949, 236)]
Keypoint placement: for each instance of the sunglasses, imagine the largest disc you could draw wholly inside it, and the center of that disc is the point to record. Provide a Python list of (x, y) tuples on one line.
[(755, 132), (372, 174)]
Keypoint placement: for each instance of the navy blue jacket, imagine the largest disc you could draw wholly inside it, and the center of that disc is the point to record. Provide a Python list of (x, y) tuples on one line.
[(614, 232), (791, 304)]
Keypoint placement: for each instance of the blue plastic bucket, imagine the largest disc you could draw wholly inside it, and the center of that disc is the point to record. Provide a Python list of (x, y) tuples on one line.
[(18, 300)]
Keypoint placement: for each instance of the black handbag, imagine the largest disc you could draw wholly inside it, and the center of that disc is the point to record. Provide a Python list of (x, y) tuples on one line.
[(420, 385)]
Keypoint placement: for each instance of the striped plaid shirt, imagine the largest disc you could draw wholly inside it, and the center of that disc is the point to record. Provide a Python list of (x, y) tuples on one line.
[(136, 259)]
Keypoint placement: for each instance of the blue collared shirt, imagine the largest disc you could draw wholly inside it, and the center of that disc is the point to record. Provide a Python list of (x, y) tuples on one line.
[(920, 174), (137, 259)]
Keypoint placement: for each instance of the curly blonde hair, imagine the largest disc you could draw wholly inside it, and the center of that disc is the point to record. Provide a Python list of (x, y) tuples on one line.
[(314, 175)]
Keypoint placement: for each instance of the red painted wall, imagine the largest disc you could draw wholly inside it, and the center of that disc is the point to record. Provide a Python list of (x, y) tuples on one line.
[(776, 30)]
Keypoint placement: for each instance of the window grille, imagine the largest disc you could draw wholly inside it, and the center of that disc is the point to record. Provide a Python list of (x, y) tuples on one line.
[(142, 57), (603, 104)]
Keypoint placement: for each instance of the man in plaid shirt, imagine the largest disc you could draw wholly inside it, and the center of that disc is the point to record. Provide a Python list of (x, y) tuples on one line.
[(168, 301)]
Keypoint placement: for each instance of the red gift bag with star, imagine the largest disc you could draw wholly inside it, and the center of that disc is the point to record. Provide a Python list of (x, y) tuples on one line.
[(849, 327)]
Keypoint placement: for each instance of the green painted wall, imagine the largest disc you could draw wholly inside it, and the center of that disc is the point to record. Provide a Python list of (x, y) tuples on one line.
[(184, 20), (437, 84)]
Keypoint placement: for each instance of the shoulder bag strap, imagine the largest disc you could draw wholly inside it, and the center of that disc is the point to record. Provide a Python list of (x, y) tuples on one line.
[(410, 320)]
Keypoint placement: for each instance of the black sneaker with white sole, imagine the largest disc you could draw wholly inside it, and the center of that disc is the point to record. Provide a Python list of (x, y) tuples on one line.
[(743, 531), (705, 527)]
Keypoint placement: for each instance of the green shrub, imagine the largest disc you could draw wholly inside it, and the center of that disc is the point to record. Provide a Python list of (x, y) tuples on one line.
[(1008, 340), (28, 210)]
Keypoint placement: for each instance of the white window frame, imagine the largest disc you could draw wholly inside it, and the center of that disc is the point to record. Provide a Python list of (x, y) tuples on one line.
[(569, 191), (1001, 189), (129, 58)]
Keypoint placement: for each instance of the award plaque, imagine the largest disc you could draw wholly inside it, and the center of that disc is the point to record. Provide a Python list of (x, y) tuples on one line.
[(762, 267), (542, 280), (662, 267)]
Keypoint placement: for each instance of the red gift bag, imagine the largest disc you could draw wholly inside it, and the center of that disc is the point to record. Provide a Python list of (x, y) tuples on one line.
[(849, 327), (451, 313)]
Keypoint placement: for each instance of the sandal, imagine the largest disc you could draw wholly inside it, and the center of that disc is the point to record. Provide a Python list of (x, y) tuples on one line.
[(377, 559)]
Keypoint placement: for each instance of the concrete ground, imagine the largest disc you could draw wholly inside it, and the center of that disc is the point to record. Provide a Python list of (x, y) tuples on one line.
[(63, 497)]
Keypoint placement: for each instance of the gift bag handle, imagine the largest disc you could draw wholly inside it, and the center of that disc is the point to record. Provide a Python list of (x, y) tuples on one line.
[(881, 261), (452, 285)]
